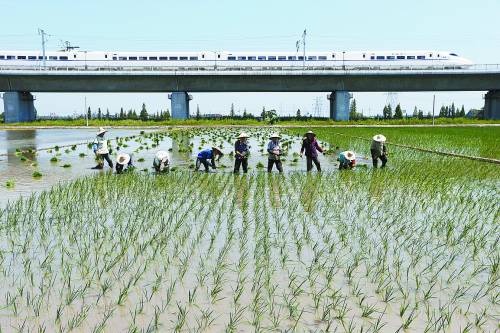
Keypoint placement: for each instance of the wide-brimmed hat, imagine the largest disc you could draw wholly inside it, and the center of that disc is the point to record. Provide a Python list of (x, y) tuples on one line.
[(162, 156), (217, 150), (123, 158), (379, 138), (275, 135), (350, 155), (243, 135), (101, 130), (310, 132)]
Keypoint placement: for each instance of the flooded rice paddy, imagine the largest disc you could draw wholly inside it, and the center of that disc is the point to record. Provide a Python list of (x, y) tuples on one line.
[(411, 248)]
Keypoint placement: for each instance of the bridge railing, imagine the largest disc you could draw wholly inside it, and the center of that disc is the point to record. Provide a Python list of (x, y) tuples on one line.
[(238, 69)]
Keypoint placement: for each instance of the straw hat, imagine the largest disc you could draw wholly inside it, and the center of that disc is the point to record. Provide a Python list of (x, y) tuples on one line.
[(311, 132), (123, 158), (101, 131), (275, 135), (379, 138), (217, 150), (350, 155), (243, 135), (162, 156)]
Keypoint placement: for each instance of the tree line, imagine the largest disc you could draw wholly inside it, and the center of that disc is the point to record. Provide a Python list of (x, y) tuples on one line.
[(131, 114)]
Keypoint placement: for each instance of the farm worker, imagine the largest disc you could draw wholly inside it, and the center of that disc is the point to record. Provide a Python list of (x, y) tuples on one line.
[(274, 150), (379, 150), (311, 147), (347, 160), (100, 148), (161, 162), (207, 155), (241, 152), (123, 163)]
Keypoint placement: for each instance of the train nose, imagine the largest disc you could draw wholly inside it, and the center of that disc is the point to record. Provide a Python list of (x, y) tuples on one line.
[(466, 61)]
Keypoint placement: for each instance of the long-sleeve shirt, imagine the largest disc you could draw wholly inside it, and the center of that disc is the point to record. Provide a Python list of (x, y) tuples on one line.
[(159, 165), (101, 145), (242, 148), (311, 147), (272, 149), (344, 161), (378, 149)]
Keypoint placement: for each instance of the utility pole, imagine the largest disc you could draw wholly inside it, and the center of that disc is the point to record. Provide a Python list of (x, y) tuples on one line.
[(433, 107), (304, 48), (86, 112), (42, 33)]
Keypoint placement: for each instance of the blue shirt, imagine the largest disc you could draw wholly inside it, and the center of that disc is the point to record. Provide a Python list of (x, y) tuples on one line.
[(243, 148), (207, 154)]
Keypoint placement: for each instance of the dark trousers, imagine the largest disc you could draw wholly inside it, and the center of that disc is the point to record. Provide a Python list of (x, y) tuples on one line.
[(205, 163), (240, 162), (310, 161), (270, 164), (376, 156), (102, 157)]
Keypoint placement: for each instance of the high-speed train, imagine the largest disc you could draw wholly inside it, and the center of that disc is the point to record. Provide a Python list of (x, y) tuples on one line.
[(237, 60)]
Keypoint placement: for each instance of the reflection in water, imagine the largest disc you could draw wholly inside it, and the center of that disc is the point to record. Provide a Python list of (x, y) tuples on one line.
[(181, 147), (25, 141)]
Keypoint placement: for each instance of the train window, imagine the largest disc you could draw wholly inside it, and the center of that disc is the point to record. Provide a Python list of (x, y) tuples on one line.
[(242, 58), (163, 58), (10, 57), (430, 55), (115, 58), (183, 58), (122, 58), (218, 56), (202, 56), (311, 58), (173, 58), (63, 58), (143, 58), (322, 57), (193, 58), (261, 58), (372, 57), (105, 56), (2, 57), (380, 57), (282, 58), (454, 54), (410, 57), (31, 57), (401, 57), (74, 56), (231, 58), (301, 58), (292, 57), (391, 57), (333, 55), (364, 56), (153, 58), (132, 58), (52, 58), (421, 57), (21, 57), (252, 58), (271, 58)]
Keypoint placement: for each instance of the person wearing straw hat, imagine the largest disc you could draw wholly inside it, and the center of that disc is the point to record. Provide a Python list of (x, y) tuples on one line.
[(310, 147), (379, 150), (241, 152), (347, 160), (274, 150), (161, 162), (101, 150), (123, 163), (207, 155)]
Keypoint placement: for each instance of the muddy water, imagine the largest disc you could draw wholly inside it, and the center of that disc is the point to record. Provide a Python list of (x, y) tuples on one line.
[(22, 152)]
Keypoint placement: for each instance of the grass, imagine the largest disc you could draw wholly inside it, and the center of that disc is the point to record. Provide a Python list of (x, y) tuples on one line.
[(410, 247)]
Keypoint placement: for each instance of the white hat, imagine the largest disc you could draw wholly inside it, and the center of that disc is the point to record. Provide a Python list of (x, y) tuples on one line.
[(350, 155), (243, 135), (162, 156), (311, 132), (379, 138), (101, 130), (275, 135), (123, 158)]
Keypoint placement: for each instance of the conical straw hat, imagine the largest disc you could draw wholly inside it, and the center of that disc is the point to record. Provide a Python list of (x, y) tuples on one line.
[(379, 138), (123, 158)]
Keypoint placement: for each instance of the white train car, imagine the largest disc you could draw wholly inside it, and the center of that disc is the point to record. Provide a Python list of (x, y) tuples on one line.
[(235, 60)]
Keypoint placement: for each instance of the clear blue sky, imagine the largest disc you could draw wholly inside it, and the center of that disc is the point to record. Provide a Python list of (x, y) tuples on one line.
[(469, 28)]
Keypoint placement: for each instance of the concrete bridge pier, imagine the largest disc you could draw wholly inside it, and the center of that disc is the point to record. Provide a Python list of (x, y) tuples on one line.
[(18, 107), (339, 105), (492, 105), (180, 104)]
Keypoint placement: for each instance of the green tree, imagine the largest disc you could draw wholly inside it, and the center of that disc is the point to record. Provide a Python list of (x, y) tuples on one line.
[(167, 114), (442, 112), (420, 114), (122, 114), (263, 113), (398, 113), (231, 111), (415, 112), (99, 114), (353, 115), (107, 114), (143, 115), (298, 115), (461, 113), (89, 113), (198, 114)]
